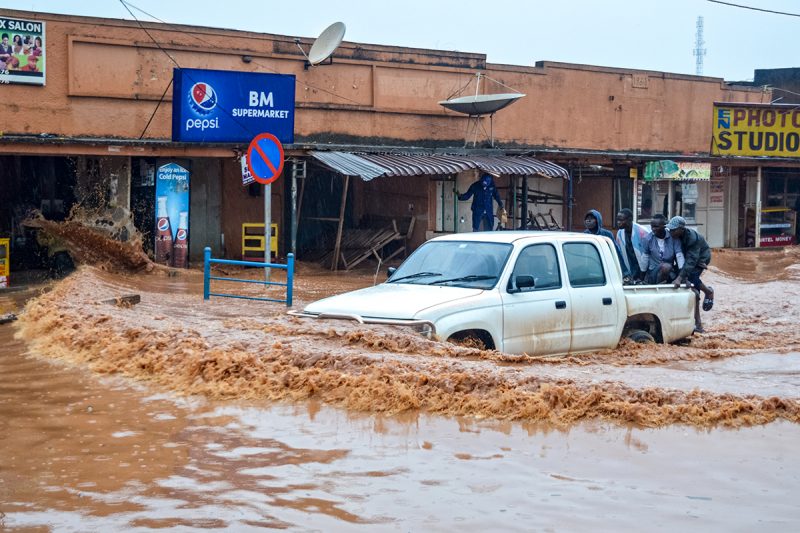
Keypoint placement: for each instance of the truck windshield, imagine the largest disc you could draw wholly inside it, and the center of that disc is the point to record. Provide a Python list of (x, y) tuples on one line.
[(454, 264)]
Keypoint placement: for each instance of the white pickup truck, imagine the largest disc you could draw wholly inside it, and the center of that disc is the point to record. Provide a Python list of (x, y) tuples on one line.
[(540, 293)]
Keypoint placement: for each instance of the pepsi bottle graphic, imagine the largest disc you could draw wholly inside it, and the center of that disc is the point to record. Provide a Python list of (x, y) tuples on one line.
[(180, 250), (163, 233)]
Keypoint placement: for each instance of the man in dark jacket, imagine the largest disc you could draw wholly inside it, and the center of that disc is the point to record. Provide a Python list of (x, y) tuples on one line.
[(697, 256), (594, 225), (482, 193)]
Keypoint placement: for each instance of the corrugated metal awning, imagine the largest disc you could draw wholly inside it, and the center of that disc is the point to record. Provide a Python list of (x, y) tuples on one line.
[(369, 166), (519, 165), (349, 164), (417, 165)]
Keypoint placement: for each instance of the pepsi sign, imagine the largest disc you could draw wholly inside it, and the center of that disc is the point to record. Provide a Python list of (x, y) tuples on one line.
[(202, 98), (226, 106)]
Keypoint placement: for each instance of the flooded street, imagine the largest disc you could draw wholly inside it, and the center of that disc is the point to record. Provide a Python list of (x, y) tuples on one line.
[(180, 413)]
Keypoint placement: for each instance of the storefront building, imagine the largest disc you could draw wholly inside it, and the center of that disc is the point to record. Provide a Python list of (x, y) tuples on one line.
[(762, 141), (90, 122)]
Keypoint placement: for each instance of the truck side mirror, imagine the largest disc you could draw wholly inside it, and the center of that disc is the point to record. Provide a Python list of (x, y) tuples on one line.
[(525, 282), (390, 272)]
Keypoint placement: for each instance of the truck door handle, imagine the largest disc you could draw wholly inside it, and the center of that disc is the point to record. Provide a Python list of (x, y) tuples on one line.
[(606, 301), (561, 304)]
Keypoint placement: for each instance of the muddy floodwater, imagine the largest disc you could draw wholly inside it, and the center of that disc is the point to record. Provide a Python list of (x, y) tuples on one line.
[(175, 413)]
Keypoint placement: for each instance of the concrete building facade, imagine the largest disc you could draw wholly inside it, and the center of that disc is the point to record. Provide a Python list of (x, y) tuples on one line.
[(103, 119)]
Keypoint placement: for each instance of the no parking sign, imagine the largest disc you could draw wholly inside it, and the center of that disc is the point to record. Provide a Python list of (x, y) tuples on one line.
[(265, 158)]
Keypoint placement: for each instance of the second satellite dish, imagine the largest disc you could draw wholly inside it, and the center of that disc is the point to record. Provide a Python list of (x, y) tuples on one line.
[(327, 42)]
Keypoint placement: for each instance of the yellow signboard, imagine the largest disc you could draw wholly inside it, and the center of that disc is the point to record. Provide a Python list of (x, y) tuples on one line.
[(5, 262), (756, 130)]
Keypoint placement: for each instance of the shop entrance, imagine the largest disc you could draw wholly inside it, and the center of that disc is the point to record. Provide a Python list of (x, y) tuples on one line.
[(605, 194), (33, 184)]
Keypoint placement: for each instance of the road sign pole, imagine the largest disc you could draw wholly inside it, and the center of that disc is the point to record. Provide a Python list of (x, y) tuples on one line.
[(267, 228), (265, 160)]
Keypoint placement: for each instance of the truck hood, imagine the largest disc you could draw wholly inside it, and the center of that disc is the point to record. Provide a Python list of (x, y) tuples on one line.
[(390, 300)]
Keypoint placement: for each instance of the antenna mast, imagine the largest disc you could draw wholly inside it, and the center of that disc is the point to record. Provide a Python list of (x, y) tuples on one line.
[(699, 52)]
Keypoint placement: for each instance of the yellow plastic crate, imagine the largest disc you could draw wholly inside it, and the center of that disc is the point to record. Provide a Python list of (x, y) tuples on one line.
[(5, 261), (254, 240)]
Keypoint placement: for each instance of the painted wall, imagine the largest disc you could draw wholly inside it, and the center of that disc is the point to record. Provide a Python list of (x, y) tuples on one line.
[(105, 77)]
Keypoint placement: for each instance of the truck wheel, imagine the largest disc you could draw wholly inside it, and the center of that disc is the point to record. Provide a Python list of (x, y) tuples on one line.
[(640, 336), (473, 339)]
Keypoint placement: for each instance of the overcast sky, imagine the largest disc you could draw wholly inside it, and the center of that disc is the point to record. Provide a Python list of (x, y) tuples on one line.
[(639, 34)]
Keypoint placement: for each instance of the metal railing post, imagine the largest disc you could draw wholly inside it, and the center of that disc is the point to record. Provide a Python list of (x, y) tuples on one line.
[(206, 272), (289, 278)]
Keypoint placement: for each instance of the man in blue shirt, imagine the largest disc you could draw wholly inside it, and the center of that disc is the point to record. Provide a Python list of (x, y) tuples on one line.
[(482, 193), (664, 254)]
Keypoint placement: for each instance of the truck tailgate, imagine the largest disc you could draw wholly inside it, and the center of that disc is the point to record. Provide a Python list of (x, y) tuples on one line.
[(673, 307)]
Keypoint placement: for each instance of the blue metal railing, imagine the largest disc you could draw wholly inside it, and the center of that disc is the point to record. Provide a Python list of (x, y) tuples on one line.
[(207, 277)]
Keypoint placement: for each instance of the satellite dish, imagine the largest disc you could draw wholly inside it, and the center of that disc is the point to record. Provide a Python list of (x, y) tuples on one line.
[(327, 42), (481, 104)]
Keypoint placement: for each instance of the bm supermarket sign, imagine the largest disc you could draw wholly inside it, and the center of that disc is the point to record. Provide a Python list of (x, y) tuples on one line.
[(226, 106), (756, 130)]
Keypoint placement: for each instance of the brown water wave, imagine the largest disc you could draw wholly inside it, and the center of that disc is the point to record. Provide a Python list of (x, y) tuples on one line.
[(92, 246), (183, 344)]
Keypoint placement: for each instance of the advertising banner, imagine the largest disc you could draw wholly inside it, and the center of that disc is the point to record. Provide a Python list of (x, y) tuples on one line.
[(226, 106), (756, 130), (777, 240), (678, 171), (172, 216), (22, 57)]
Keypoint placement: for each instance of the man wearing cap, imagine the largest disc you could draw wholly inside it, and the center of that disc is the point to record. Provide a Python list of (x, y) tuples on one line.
[(482, 192), (697, 256)]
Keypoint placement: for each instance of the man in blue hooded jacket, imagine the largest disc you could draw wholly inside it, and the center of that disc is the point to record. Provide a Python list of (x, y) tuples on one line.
[(482, 193)]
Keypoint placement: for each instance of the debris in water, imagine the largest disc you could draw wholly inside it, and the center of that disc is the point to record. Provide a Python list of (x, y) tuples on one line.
[(124, 301)]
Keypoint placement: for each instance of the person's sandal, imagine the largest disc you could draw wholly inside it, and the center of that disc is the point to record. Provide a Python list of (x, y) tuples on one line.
[(708, 303), (699, 329)]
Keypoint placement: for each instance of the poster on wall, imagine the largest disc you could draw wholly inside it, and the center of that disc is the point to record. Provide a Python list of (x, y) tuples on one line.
[(172, 216), (716, 192), (676, 170), (22, 56)]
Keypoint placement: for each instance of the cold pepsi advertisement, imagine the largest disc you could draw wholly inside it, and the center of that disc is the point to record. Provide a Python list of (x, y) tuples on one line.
[(172, 216), (225, 106)]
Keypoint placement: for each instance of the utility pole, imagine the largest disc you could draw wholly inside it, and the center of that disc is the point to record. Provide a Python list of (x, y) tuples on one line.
[(699, 51)]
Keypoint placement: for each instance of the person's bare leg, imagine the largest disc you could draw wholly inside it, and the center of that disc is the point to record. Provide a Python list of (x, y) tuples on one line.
[(708, 292), (698, 324)]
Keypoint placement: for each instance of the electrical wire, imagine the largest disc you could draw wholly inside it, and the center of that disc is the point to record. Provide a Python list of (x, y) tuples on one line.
[(125, 5), (784, 90), (257, 63), (755, 8), (128, 5), (160, 100)]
